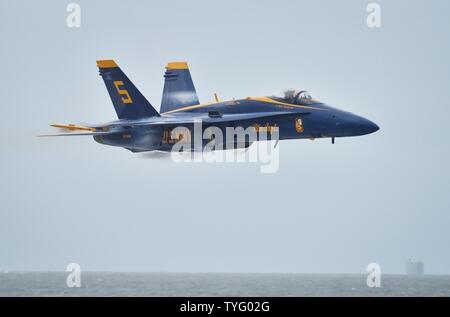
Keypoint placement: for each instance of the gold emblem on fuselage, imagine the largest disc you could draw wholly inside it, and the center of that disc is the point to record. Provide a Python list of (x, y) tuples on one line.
[(299, 125)]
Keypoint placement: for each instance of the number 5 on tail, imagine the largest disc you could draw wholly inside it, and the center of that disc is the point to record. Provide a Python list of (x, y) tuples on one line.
[(122, 92)]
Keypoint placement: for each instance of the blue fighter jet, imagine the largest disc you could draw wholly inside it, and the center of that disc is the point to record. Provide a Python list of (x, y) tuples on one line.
[(140, 128)]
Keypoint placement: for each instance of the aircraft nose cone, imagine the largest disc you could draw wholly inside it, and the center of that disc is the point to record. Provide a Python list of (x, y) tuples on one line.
[(365, 126), (356, 125), (371, 127)]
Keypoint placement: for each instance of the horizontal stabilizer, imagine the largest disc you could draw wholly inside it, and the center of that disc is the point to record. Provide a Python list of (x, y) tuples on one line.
[(73, 127), (79, 134)]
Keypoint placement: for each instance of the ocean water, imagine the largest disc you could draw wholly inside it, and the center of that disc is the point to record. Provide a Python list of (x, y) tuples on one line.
[(219, 284)]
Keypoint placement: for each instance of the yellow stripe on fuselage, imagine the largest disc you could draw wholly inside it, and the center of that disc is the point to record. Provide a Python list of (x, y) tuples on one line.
[(234, 102), (191, 107), (269, 100)]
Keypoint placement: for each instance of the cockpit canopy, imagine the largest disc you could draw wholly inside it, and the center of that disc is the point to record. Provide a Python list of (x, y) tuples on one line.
[(293, 96)]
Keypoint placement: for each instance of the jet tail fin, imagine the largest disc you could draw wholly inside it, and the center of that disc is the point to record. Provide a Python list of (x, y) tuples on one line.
[(179, 90), (128, 101)]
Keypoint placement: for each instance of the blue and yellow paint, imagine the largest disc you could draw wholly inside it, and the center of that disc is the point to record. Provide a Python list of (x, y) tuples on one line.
[(141, 128)]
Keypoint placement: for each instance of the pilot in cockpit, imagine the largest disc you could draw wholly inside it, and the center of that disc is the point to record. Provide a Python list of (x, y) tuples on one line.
[(296, 97)]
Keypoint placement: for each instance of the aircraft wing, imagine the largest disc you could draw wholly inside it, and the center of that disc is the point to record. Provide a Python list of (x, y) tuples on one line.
[(245, 116), (206, 118), (80, 134), (73, 130), (209, 118)]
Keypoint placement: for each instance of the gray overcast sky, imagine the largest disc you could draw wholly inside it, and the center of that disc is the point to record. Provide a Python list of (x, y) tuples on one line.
[(331, 208)]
